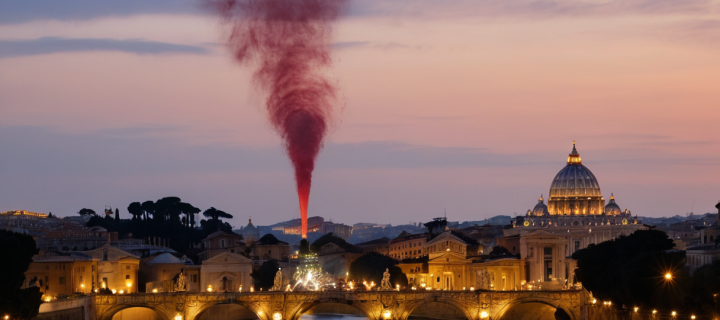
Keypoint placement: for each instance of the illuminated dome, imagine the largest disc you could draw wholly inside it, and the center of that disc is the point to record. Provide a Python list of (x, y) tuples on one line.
[(575, 190), (540, 208), (612, 208)]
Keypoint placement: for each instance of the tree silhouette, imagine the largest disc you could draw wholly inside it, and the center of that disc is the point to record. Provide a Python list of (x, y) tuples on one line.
[(148, 208), (17, 251), (372, 265), (135, 209), (629, 270), (86, 212), (216, 214), (265, 275)]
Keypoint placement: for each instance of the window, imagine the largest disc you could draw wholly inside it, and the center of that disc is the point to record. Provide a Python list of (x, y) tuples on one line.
[(105, 254), (577, 245), (127, 276), (62, 280), (194, 278), (532, 251), (127, 267), (222, 243)]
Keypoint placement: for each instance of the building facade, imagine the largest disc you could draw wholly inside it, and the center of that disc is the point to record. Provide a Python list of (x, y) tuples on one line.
[(408, 246)]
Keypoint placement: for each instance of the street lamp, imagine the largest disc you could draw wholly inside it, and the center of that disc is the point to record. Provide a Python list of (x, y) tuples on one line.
[(668, 276), (674, 314)]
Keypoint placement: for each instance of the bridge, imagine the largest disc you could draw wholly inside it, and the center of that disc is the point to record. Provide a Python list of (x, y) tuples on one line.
[(376, 305)]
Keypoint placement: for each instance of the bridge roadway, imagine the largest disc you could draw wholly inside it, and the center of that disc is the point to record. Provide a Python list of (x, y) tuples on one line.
[(376, 305)]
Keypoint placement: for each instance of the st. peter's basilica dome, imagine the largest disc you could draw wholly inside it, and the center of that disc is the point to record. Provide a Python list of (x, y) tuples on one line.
[(575, 190)]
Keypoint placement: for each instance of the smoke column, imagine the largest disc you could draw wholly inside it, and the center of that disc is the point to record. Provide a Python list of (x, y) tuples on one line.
[(289, 43)]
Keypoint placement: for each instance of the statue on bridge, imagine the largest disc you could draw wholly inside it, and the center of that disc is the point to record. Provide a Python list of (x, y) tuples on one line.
[(385, 284), (180, 285), (278, 284)]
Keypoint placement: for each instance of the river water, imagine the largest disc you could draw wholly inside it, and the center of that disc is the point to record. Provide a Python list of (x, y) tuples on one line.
[(331, 316)]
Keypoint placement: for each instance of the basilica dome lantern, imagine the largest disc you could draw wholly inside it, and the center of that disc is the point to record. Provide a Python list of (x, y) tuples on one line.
[(540, 208), (612, 208), (575, 190)]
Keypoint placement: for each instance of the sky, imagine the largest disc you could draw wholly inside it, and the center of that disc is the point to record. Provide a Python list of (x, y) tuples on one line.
[(459, 107)]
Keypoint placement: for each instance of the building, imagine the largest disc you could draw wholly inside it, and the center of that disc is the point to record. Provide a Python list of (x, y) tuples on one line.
[(455, 263), (250, 233), (408, 246), (269, 247), (219, 242), (709, 249), (381, 246), (159, 273), (226, 272), (335, 255), (116, 269), (338, 229), (574, 218), (61, 274), (701, 255)]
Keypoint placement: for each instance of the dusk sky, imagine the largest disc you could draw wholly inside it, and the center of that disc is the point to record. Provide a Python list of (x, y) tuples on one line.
[(467, 106)]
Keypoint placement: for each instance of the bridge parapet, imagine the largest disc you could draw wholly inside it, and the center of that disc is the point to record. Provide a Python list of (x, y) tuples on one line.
[(376, 305)]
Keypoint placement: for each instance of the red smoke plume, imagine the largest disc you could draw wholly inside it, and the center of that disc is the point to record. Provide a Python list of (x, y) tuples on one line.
[(289, 41)]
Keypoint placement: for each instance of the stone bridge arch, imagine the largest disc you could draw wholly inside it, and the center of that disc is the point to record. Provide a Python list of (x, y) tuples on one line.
[(161, 311), (365, 308), (469, 311), (194, 311), (574, 313)]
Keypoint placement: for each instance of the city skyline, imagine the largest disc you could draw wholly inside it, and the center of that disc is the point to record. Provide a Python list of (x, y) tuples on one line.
[(466, 107)]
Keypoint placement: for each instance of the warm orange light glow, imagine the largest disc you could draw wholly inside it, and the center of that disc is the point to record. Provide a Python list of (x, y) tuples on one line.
[(484, 315), (154, 290), (668, 276), (387, 314), (674, 313)]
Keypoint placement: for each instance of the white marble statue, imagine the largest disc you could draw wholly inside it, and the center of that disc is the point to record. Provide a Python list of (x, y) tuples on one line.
[(385, 284)]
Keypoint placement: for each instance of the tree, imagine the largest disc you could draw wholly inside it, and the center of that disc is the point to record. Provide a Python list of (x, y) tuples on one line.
[(86, 212), (50, 215), (265, 275), (216, 214), (370, 267), (148, 208), (629, 270), (117, 216), (705, 288), (17, 251), (189, 211), (499, 251), (135, 209)]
